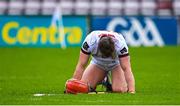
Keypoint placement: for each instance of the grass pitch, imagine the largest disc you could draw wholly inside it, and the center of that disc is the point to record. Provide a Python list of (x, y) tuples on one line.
[(28, 71)]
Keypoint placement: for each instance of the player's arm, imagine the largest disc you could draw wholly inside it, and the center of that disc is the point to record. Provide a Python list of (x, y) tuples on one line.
[(81, 65), (85, 52), (126, 66)]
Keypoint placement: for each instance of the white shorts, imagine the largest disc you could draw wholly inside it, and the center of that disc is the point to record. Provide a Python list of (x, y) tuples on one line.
[(105, 66)]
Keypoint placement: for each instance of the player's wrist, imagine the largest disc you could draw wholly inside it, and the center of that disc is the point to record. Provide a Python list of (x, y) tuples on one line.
[(75, 78)]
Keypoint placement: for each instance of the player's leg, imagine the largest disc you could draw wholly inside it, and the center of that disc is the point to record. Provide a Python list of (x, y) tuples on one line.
[(93, 75), (118, 80)]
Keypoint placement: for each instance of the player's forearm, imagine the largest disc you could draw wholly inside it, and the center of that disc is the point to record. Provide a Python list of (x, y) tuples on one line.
[(130, 80), (78, 72)]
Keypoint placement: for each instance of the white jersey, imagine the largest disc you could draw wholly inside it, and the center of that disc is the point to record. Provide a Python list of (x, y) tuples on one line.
[(90, 46)]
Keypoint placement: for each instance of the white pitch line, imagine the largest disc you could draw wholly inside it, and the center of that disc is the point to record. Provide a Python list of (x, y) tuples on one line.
[(43, 94), (38, 94)]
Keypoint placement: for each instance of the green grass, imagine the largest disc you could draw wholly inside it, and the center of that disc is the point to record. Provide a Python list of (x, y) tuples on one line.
[(26, 71)]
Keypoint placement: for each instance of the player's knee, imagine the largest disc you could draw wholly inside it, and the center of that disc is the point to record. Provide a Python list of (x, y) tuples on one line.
[(119, 89)]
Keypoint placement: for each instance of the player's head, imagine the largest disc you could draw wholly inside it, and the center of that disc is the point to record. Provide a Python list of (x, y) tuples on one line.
[(106, 47)]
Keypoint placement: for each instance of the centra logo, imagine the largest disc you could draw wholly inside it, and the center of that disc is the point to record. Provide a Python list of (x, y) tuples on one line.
[(141, 31), (13, 33)]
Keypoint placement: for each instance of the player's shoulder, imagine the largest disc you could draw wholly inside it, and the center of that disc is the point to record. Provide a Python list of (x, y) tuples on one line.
[(97, 34), (118, 36), (100, 32), (91, 38)]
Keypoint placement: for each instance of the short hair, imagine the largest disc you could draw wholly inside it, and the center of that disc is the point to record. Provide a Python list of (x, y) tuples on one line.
[(106, 47)]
